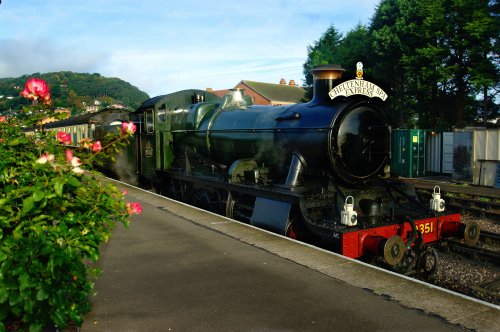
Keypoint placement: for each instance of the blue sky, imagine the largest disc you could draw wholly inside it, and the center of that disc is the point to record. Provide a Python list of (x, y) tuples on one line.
[(162, 46)]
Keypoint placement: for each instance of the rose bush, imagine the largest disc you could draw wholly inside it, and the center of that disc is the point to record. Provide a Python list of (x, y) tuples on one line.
[(54, 214)]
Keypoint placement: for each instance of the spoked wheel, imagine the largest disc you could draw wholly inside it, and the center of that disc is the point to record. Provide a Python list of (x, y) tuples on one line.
[(178, 190), (230, 202), (202, 199), (429, 262), (210, 200)]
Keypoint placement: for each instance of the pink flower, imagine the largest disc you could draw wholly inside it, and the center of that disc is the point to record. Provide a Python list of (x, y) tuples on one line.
[(128, 128), (96, 147), (45, 158), (74, 161), (134, 208), (78, 170), (3, 118), (37, 88), (64, 138), (42, 160), (124, 192)]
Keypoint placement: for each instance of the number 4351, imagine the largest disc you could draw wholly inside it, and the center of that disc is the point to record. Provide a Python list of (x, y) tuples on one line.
[(425, 228)]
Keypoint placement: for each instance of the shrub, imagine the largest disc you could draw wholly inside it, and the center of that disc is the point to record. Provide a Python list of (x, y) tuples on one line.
[(53, 217)]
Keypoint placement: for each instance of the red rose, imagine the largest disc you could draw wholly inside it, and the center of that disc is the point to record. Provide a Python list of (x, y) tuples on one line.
[(134, 207), (128, 128), (96, 147), (64, 138), (37, 88)]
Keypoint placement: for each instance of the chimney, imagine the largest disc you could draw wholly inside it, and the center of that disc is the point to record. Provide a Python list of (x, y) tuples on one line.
[(283, 81), (210, 90), (292, 83), (325, 78)]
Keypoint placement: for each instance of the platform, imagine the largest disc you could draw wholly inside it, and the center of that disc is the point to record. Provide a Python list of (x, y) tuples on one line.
[(178, 268)]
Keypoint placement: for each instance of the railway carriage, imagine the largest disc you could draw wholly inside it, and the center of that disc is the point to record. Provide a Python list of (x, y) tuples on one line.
[(84, 125)]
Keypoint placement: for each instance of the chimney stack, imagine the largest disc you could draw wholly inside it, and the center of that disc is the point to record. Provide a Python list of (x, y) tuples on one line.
[(283, 81), (325, 78), (292, 83)]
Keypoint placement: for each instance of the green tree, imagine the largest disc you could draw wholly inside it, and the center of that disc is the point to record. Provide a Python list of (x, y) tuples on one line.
[(323, 51), (483, 32), (93, 86), (355, 47), (392, 31), (436, 55)]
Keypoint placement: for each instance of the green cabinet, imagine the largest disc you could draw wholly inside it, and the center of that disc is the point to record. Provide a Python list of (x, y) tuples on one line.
[(408, 152)]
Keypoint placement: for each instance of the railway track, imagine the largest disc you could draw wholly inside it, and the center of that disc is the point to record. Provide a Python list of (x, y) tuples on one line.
[(490, 287), (474, 252), (490, 237), (484, 207), (488, 250)]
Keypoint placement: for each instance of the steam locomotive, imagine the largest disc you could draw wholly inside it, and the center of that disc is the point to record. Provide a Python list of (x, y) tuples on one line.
[(315, 171)]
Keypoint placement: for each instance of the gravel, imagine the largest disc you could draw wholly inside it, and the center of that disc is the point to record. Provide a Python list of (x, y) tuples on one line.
[(464, 275)]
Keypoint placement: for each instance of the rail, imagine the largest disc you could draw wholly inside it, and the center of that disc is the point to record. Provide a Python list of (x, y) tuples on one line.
[(487, 207), (474, 252)]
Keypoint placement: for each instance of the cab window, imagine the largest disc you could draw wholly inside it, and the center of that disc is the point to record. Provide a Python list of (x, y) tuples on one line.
[(162, 113), (148, 117)]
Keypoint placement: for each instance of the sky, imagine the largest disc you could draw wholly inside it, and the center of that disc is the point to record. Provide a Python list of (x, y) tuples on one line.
[(162, 46)]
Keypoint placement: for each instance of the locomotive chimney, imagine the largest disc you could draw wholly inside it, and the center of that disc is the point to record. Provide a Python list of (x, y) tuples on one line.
[(325, 78)]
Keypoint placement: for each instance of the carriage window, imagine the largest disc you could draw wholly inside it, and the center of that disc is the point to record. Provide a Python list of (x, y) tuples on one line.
[(162, 113), (149, 122)]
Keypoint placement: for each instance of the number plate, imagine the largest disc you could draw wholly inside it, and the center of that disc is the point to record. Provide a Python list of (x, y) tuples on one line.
[(427, 227)]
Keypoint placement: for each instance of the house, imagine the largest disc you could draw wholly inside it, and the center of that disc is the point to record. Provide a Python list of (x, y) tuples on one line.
[(268, 93), (272, 94), (60, 110)]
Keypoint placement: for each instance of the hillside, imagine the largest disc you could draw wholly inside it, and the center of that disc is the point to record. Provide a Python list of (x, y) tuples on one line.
[(73, 90)]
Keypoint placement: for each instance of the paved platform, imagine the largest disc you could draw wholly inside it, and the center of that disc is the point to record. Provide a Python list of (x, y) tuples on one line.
[(181, 269)]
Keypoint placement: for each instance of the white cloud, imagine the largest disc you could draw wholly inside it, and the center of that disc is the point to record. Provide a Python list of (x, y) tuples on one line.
[(26, 57), (162, 47)]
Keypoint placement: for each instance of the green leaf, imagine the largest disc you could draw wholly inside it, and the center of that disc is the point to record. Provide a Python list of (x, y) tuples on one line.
[(59, 317), (15, 142), (14, 298), (58, 187), (74, 182), (4, 294), (24, 281), (36, 327), (41, 294), (28, 205), (38, 195)]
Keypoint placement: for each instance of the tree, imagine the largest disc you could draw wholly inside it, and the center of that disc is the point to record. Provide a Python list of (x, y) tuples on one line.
[(436, 56), (323, 51), (389, 47), (483, 31), (356, 47)]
